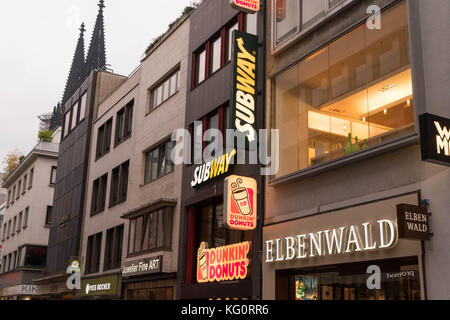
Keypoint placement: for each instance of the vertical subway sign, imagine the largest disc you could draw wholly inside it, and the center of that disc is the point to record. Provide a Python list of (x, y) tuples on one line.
[(244, 88)]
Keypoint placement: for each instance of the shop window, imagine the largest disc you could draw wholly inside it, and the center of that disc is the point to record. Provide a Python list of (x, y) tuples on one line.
[(400, 280), (35, 256), (104, 138), (165, 89), (113, 248), (119, 184), (352, 94), (296, 16), (99, 194), (124, 123), (158, 161), (149, 294), (152, 231), (93, 253), (53, 175)]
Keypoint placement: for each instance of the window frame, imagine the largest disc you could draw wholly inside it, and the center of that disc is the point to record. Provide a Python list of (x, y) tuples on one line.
[(159, 147), (361, 155), (303, 30), (153, 90), (126, 113), (118, 184), (98, 195), (53, 171), (93, 253), (104, 134), (113, 245), (166, 246), (48, 216)]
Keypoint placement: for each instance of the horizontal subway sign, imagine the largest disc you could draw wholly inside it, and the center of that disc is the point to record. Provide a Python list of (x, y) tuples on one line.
[(412, 222), (142, 266), (435, 139)]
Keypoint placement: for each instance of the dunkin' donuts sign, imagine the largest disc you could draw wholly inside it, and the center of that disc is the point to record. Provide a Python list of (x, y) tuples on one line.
[(250, 6), (240, 199), (223, 263)]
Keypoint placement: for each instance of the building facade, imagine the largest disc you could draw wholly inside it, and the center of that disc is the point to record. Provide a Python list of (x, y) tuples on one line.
[(209, 106), (26, 221), (132, 213), (345, 90)]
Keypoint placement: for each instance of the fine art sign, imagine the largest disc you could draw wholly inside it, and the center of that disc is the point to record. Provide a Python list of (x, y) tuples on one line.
[(142, 266), (435, 139), (240, 199), (412, 222), (222, 263)]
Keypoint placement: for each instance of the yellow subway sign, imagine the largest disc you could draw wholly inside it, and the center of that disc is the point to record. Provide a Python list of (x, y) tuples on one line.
[(244, 87)]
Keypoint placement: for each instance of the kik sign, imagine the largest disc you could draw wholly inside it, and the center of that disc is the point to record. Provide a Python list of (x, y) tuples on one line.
[(244, 86), (435, 139)]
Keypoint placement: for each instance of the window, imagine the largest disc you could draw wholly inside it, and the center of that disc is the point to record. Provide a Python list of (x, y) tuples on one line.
[(124, 122), (113, 248), (9, 230), (83, 101), (48, 216), (104, 138), (119, 184), (99, 194), (67, 124), (293, 16), (13, 230), (30, 179), (25, 218), (35, 256), (4, 264), (165, 89), (230, 39), (24, 184), (9, 198), (201, 71), (152, 231), (13, 195), (158, 162), (352, 94), (74, 115), (53, 176), (216, 55), (14, 260), (19, 222), (251, 24), (93, 253), (4, 232), (218, 119), (19, 189)]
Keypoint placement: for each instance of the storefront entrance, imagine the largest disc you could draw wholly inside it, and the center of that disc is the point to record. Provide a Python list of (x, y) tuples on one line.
[(399, 280)]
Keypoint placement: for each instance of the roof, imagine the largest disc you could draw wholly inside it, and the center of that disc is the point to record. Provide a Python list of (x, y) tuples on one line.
[(42, 149)]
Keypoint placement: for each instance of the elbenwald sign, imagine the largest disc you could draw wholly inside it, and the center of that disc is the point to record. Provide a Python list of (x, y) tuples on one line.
[(412, 222), (435, 139)]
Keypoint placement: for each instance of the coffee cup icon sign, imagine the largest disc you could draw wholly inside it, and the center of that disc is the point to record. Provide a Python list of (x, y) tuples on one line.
[(201, 255), (240, 195)]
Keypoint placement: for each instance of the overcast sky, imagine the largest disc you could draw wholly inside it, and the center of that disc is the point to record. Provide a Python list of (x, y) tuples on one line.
[(37, 43)]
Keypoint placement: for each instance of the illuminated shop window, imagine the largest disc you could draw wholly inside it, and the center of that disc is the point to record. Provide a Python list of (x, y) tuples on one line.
[(352, 94)]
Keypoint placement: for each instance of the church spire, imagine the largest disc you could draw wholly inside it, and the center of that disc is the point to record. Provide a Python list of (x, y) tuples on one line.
[(96, 57), (78, 69)]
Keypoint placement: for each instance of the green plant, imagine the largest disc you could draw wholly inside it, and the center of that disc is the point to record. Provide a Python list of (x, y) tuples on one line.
[(46, 136)]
